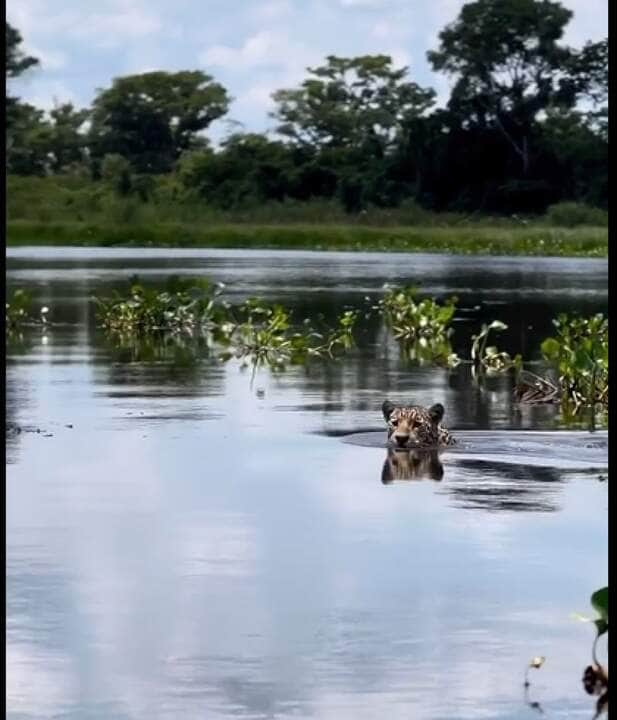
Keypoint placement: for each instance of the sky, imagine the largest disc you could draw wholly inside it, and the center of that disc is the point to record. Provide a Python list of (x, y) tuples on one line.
[(252, 47)]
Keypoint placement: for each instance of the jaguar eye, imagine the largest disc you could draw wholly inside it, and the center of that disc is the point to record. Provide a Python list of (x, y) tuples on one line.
[(394, 422)]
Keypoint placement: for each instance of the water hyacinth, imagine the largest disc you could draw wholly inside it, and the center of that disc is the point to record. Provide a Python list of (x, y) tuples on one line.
[(183, 307), (411, 318), (18, 312), (578, 356), (190, 317), (254, 331), (421, 326), (264, 334), (487, 358)]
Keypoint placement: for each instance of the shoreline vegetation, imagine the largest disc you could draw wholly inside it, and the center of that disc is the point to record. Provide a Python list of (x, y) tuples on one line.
[(74, 211), (471, 239)]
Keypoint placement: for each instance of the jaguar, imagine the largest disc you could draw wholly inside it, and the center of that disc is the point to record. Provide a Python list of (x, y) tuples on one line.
[(416, 426)]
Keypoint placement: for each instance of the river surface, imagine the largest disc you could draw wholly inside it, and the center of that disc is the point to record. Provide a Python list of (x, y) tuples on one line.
[(183, 542)]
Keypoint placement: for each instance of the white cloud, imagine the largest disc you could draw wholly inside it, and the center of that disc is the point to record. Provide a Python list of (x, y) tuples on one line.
[(364, 3), (108, 27), (110, 30), (382, 29), (266, 48), (273, 10), (257, 50)]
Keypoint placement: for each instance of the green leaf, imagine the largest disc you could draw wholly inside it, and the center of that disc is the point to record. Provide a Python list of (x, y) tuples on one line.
[(599, 602), (601, 626), (550, 348)]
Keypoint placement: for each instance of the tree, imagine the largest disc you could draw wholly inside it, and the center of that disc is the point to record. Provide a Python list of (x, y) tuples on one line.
[(26, 151), (152, 118), (249, 168), (67, 144), (16, 61), (508, 66), (590, 68), (356, 102), (27, 147), (351, 113), (116, 171), (575, 158)]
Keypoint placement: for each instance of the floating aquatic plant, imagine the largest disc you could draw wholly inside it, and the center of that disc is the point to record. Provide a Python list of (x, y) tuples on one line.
[(579, 356), (19, 312), (264, 334), (421, 326), (487, 358), (254, 331), (182, 307), (411, 318)]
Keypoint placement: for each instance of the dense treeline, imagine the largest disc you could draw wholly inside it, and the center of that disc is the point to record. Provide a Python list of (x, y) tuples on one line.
[(525, 127)]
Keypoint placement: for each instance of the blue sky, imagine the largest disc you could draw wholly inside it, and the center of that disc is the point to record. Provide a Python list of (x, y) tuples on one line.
[(251, 46)]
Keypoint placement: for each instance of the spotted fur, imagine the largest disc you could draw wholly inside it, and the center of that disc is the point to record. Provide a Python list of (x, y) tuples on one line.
[(403, 464), (416, 426)]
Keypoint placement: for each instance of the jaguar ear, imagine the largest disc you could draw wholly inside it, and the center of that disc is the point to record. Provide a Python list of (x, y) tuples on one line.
[(436, 412), (387, 409)]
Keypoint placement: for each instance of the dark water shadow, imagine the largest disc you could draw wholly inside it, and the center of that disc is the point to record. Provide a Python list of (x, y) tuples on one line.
[(477, 484)]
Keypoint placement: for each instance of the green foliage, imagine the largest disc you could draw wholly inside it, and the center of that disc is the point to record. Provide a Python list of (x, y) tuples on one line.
[(421, 326), (66, 140), (357, 103), (152, 118), (254, 332), (412, 319), (595, 676), (140, 226), (180, 308), (250, 169), (264, 335), (508, 66), (487, 358), (116, 171), (37, 145), (569, 214), (19, 312), (16, 61), (579, 356), (358, 134), (599, 602)]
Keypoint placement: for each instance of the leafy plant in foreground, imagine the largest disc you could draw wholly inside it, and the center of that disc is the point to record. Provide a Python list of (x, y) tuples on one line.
[(579, 355), (595, 676)]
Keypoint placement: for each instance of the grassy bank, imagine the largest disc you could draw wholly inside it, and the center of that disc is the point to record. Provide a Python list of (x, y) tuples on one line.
[(468, 240)]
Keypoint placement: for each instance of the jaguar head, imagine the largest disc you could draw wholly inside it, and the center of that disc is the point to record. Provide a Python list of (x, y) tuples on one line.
[(413, 425)]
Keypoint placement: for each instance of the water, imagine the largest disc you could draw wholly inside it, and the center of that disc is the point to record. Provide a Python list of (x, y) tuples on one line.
[(194, 546)]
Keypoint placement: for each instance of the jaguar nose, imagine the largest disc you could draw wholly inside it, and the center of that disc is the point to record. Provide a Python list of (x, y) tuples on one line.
[(401, 440)]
